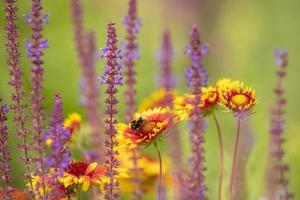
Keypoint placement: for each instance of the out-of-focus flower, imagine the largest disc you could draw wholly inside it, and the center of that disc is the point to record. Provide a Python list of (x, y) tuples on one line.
[(83, 175), (52, 186), (73, 122), (16, 194), (149, 174), (236, 97), (209, 99), (156, 99), (147, 126)]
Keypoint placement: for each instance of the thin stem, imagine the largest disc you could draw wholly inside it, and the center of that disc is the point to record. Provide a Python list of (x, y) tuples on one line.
[(78, 192), (235, 154), (221, 145), (160, 169)]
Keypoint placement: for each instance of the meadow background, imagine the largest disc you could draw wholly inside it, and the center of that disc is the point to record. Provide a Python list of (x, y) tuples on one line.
[(242, 36)]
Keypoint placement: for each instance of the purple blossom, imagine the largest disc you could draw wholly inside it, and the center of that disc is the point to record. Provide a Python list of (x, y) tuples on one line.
[(87, 54), (132, 24), (276, 177), (5, 157), (35, 47), (196, 182), (111, 75), (60, 155), (16, 74)]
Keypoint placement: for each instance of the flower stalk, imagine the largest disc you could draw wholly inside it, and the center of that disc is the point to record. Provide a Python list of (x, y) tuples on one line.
[(5, 169), (85, 42), (16, 74), (277, 183), (111, 78), (35, 48), (235, 156), (221, 149), (197, 78)]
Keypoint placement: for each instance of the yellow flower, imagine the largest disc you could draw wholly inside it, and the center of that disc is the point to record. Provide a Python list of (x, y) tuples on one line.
[(149, 174), (236, 97), (157, 99), (147, 126), (83, 174), (73, 122)]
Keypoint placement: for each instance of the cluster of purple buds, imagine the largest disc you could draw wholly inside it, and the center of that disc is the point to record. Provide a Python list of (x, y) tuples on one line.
[(196, 58), (36, 52), (44, 19), (137, 26), (118, 77), (132, 54)]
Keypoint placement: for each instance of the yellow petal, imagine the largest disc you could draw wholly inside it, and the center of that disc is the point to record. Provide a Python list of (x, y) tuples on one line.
[(91, 168)]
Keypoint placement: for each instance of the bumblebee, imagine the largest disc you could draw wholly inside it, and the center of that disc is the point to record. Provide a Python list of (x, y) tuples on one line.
[(136, 124)]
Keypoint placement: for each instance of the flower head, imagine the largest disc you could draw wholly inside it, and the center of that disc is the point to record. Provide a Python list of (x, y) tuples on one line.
[(148, 125), (156, 99), (83, 174), (235, 96), (209, 99), (73, 122)]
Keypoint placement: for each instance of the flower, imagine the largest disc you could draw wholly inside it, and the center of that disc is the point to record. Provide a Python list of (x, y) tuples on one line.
[(209, 99), (156, 99), (235, 96), (147, 126), (83, 174), (73, 122)]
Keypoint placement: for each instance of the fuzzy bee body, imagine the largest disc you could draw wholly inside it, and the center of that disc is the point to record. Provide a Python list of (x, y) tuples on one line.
[(136, 124)]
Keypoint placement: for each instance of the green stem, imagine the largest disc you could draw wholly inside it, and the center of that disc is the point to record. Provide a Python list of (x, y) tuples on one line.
[(78, 192), (160, 169), (221, 145), (235, 154)]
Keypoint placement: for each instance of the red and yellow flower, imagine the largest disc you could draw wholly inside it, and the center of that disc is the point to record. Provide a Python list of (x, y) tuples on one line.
[(235, 96), (82, 175), (209, 99), (147, 126), (157, 99)]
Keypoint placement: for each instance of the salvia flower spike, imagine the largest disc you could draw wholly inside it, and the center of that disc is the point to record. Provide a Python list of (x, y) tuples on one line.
[(167, 80), (131, 53), (277, 183), (112, 78), (16, 74), (85, 42), (35, 47), (197, 78), (5, 169)]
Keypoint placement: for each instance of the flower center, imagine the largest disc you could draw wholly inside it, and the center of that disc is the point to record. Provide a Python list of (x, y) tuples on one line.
[(240, 99), (77, 168), (147, 128)]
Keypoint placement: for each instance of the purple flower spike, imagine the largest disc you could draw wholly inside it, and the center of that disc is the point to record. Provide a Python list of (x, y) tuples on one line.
[(275, 175), (197, 79), (35, 47), (5, 157), (87, 56), (57, 137), (131, 53), (111, 80), (16, 74)]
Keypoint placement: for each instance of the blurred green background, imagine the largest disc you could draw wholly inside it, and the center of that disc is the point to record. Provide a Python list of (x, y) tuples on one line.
[(242, 36)]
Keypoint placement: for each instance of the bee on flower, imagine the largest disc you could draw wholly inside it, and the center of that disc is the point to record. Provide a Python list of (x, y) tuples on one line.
[(147, 126)]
